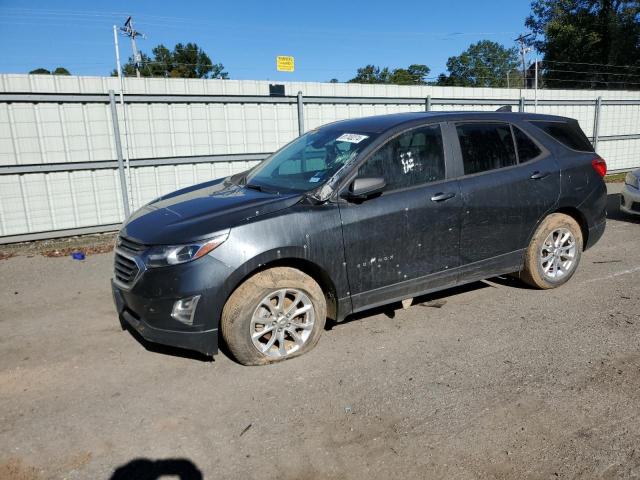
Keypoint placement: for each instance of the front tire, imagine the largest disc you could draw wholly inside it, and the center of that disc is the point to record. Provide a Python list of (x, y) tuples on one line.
[(554, 252), (274, 315)]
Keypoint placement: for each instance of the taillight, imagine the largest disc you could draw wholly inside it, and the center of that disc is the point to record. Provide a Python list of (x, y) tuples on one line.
[(600, 166)]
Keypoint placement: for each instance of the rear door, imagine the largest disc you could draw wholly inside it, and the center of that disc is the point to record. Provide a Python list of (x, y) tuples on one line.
[(396, 242), (509, 182)]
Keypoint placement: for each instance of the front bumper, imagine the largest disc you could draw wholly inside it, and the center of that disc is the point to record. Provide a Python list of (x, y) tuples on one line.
[(146, 305), (630, 200), (203, 341)]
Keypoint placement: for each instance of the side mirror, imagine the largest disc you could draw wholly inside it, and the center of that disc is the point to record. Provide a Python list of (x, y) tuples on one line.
[(364, 187)]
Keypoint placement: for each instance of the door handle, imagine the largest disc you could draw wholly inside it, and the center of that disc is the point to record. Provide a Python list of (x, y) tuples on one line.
[(441, 197), (537, 175)]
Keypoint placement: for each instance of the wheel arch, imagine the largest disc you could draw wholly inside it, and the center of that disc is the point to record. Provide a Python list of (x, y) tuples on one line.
[(577, 215), (315, 271), (572, 212)]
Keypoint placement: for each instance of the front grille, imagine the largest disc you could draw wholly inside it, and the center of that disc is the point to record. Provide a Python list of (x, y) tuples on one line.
[(129, 246), (126, 269)]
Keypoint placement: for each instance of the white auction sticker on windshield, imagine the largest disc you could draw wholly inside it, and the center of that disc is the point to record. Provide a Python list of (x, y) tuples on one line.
[(351, 138)]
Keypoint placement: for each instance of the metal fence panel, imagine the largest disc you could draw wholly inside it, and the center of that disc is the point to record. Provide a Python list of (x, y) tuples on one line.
[(625, 152), (41, 202), (620, 120), (58, 169)]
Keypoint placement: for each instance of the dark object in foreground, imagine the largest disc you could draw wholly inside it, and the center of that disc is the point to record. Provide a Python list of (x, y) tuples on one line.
[(145, 469), (354, 215)]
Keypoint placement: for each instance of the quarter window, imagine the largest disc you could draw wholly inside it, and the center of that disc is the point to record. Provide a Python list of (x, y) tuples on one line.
[(527, 149), (570, 135), (486, 146), (412, 158)]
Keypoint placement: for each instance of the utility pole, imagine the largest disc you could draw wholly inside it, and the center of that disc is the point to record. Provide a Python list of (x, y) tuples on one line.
[(523, 55), (536, 86), (131, 32), (124, 113)]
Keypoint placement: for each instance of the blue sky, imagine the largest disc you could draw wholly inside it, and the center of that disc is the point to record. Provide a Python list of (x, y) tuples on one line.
[(327, 38)]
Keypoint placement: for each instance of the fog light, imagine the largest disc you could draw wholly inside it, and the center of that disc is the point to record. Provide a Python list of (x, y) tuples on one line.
[(185, 309)]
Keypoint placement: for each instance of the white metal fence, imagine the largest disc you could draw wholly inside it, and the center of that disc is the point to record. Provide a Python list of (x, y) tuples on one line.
[(59, 155)]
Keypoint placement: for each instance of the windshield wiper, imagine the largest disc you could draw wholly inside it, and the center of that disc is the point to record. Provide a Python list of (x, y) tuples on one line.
[(253, 186)]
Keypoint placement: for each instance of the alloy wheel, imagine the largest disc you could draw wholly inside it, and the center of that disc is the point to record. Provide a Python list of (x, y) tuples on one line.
[(282, 323), (558, 254)]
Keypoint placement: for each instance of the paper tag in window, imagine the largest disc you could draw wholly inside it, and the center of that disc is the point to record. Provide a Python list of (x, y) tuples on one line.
[(351, 138), (314, 179)]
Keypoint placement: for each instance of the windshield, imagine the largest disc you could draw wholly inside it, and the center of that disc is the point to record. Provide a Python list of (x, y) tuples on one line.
[(308, 161)]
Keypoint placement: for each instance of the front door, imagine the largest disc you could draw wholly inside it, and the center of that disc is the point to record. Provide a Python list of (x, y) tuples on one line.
[(397, 243)]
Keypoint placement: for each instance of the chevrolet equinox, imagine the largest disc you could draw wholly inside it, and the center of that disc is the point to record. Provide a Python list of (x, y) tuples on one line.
[(353, 215)]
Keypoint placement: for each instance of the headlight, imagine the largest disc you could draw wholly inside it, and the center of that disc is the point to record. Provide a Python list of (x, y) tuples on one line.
[(631, 180), (164, 255)]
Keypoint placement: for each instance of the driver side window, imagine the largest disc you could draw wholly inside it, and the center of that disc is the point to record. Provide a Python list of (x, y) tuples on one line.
[(410, 159)]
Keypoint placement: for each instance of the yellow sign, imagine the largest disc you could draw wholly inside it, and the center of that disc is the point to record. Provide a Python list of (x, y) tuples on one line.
[(285, 63)]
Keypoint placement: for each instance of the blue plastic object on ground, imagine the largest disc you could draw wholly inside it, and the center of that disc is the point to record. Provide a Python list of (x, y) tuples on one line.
[(78, 255)]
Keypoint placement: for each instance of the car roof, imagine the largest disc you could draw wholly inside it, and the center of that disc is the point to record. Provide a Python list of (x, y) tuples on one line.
[(381, 123)]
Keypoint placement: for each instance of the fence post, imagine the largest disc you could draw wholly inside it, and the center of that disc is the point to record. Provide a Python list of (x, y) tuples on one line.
[(521, 105), (300, 114), (116, 136), (596, 122), (427, 104)]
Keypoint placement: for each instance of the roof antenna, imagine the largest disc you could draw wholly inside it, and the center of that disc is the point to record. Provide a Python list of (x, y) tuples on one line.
[(504, 108)]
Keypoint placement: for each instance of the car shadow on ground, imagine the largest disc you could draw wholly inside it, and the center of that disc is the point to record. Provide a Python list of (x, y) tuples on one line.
[(614, 212), (431, 300), (146, 469)]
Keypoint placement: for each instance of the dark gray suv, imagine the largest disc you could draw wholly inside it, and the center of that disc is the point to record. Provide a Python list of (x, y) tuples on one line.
[(353, 215)]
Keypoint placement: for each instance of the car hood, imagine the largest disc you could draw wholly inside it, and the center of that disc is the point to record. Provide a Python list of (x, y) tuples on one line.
[(197, 212)]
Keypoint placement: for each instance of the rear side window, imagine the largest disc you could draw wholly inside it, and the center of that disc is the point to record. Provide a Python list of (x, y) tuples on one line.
[(569, 135), (527, 149), (412, 158), (486, 146)]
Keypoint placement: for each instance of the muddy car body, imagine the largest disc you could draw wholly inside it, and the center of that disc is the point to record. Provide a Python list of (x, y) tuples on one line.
[(357, 214)]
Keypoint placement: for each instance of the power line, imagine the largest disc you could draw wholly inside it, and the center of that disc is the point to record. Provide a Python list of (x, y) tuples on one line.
[(179, 21), (67, 13), (593, 64), (589, 80), (592, 72)]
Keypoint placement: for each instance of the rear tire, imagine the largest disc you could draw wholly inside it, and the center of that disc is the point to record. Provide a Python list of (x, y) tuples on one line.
[(554, 252), (274, 315)]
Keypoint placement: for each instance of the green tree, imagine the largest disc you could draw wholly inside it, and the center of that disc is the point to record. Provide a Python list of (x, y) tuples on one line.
[(483, 64), (412, 75), (415, 74), (184, 61), (129, 68), (61, 71), (583, 41), (44, 71), (371, 74)]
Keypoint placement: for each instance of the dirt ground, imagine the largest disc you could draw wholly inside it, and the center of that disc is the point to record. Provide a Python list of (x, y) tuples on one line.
[(490, 381)]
